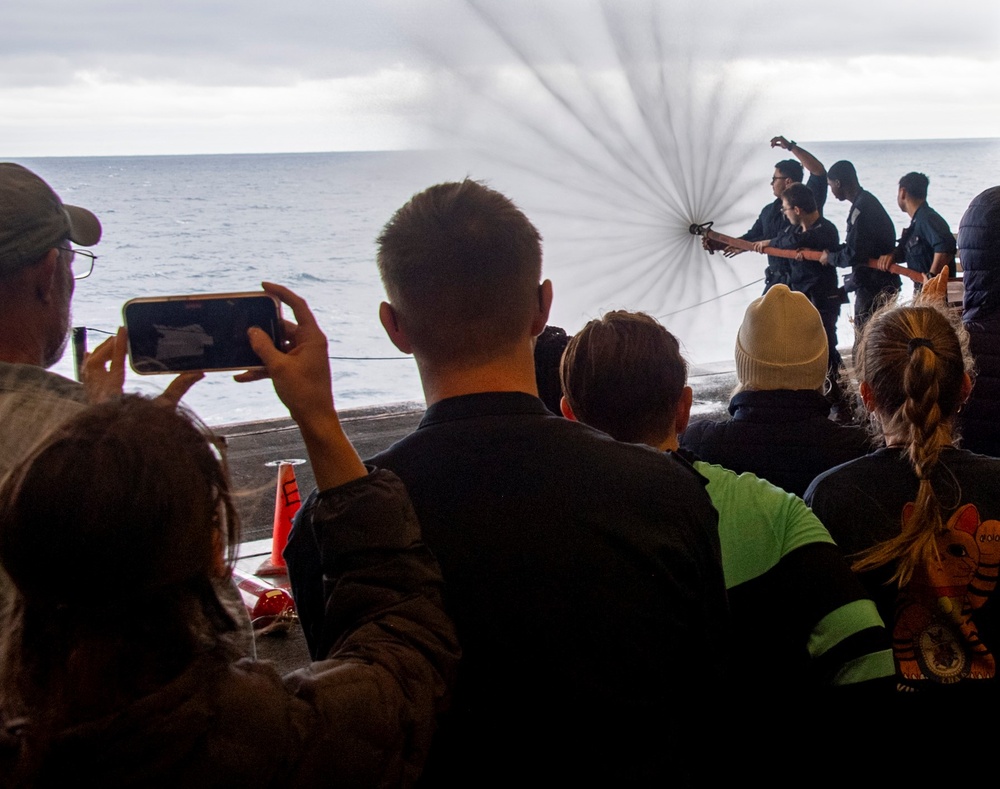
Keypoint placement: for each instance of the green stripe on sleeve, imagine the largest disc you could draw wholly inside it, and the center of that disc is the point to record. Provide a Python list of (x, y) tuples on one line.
[(842, 622), (867, 667)]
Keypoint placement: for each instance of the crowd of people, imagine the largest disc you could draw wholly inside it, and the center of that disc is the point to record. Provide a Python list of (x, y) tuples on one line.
[(869, 253), (586, 590)]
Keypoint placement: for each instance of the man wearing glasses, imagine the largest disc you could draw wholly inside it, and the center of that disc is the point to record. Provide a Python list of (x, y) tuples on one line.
[(772, 221), (38, 268)]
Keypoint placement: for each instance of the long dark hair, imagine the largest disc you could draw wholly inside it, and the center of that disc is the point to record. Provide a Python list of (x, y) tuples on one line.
[(111, 531)]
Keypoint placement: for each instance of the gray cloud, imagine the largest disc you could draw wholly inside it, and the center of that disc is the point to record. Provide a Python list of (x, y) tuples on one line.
[(248, 42), (233, 42)]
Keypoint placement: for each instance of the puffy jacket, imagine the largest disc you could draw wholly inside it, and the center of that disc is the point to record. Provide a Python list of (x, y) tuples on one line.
[(782, 435), (362, 717), (979, 245)]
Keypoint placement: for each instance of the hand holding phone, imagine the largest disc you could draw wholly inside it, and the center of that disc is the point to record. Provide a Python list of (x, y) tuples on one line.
[(102, 373), (199, 333), (301, 378)]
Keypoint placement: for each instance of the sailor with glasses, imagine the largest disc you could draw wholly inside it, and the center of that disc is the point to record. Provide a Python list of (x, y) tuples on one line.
[(772, 221)]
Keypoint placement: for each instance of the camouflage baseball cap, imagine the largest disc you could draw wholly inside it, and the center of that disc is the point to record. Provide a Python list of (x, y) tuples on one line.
[(33, 219)]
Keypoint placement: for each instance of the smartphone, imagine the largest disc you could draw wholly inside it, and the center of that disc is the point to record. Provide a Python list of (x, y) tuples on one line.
[(182, 334)]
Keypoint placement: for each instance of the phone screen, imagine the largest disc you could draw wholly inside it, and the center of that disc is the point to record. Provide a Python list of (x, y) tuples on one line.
[(179, 334)]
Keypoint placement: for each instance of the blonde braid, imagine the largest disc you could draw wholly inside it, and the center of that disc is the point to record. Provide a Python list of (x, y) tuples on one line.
[(914, 364)]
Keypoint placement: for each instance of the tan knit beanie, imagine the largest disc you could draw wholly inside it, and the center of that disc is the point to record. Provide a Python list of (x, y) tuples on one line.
[(781, 344)]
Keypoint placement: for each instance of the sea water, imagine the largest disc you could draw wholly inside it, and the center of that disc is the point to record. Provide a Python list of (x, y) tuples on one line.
[(222, 223)]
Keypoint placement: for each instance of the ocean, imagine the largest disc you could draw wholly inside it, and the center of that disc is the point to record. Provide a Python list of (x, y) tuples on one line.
[(222, 223)]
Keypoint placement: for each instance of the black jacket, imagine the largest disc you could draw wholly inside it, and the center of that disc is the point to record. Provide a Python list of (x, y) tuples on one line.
[(979, 242), (783, 436)]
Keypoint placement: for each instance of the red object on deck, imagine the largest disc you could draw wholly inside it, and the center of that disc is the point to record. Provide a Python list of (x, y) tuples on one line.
[(286, 504), (261, 599)]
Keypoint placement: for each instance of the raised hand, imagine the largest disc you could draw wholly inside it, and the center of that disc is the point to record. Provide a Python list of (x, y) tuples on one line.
[(301, 378), (103, 373)]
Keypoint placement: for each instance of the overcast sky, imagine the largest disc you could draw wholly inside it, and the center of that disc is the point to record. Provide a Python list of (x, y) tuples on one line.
[(116, 77)]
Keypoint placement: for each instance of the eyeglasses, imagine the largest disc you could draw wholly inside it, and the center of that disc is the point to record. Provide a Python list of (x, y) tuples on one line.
[(81, 262), (779, 178)]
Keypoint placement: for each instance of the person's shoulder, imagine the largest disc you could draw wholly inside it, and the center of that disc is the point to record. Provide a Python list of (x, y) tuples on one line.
[(869, 202), (859, 467), (604, 453), (31, 380), (987, 463), (846, 435), (250, 676), (744, 482), (824, 229), (700, 430), (936, 223), (749, 490)]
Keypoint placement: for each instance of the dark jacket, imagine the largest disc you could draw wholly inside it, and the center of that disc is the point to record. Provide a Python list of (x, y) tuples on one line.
[(772, 222), (980, 416), (363, 717), (870, 234), (783, 436), (585, 579), (979, 242)]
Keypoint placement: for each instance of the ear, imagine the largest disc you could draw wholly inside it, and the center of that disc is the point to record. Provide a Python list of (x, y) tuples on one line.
[(220, 569), (867, 397), (44, 276), (683, 413), (390, 322), (966, 389), (544, 305), (567, 411)]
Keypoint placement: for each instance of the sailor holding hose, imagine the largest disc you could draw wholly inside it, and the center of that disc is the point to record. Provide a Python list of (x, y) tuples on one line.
[(772, 220)]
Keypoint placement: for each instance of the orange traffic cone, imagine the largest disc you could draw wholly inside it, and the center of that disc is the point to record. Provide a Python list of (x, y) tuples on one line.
[(286, 504)]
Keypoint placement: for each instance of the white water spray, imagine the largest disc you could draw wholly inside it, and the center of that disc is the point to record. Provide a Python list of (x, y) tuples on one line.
[(630, 131)]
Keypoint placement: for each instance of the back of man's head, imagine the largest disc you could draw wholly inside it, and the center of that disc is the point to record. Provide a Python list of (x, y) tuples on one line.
[(34, 220), (790, 169), (915, 185), (624, 374), (844, 172), (461, 265), (800, 196)]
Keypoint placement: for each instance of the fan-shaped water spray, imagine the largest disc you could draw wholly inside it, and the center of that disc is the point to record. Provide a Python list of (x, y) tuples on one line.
[(631, 132)]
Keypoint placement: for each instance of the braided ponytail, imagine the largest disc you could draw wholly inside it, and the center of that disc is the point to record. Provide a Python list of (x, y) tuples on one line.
[(913, 361)]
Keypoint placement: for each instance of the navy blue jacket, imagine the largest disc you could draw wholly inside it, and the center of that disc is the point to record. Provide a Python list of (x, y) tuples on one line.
[(927, 235), (870, 234), (979, 242), (784, 436), (811, 277)]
